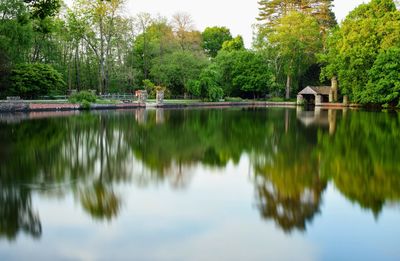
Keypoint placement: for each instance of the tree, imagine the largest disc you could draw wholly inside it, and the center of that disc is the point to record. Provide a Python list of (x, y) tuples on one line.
[(235, 44), (213, 38), (178, 70), (208, 85), (244, 73), (15, 38), (99, 19), (32, 80), (183, 26), (384, 79), (352, 50), (273, 10), (296, 37), (143, 22), (150, 48)]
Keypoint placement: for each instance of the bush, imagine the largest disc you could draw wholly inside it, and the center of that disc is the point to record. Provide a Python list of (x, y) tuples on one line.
[(215, 93), (83, 97), (85, 105), (34, 80)]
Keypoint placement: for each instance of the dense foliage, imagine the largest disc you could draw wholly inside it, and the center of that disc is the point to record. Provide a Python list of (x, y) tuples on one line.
[(362, 52), (94, 46), (83, 97), (33, 80)]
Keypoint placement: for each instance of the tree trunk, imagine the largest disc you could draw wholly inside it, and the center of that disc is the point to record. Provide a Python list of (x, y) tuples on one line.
[(101, 67), (334, 86), (77, 68), (288, 83)]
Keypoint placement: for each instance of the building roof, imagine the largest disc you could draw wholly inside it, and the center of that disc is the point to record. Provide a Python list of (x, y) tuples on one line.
[(314, 90)]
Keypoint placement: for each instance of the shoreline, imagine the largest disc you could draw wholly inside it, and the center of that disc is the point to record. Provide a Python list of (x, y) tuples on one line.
[(22, 106)]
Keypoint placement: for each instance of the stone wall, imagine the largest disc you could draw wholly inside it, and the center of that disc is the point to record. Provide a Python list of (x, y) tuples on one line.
[(7, 106)]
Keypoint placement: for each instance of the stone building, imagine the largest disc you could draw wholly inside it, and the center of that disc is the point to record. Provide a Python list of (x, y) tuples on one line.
[(315, 95)]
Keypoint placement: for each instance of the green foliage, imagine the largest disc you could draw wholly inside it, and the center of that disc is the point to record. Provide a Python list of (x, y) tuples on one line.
[(236, 44), (83, 97), (178, 70), (273, 10), (244, 73), (384, 79), (33, 80), (215, 93), (149, 86), (85, 104), (352, 52), (213, 39), (41, 9), (296, 38)]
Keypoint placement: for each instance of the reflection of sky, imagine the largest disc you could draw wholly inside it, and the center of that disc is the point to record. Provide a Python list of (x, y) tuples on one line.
[(213, 218), (344, 231)]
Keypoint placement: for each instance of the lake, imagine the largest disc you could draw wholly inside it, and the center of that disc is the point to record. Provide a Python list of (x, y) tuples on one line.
[(200, 184)]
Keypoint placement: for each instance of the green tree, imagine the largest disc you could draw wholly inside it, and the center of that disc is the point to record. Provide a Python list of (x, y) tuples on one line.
[(235, 44), (178, 70), (367, 31), (244, 73), (213, 38), (99, 19), (33, 80), (270, 11), (208, 85), (384, 79), (296, 37), (150, 47)]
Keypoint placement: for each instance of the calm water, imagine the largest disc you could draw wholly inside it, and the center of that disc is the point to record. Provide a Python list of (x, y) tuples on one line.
[(217, 184)]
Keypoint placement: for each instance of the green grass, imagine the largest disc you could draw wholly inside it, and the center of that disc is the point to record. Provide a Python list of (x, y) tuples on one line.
[(280, 99), (233, 99), (101, 101)]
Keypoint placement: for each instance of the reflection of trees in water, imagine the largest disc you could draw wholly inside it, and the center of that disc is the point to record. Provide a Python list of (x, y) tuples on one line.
[(100, 201), (91, 154), (362, 158), (287, 182), (17, 214), (289, 211)]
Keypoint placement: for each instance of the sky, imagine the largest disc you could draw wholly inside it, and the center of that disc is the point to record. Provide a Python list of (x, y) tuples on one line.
[(237, 15)]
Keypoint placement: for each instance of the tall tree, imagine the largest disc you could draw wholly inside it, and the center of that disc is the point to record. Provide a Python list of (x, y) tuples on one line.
[(296, 38), (213, 38), (142, 23), (99, 17), (184, 29), (272, 10), (353, 49)]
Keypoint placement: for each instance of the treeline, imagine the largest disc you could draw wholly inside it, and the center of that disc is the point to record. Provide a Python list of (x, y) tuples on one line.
[(92, 45), (303, 41)]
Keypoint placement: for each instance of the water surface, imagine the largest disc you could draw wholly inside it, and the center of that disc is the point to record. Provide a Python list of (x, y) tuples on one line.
[(209, 184)]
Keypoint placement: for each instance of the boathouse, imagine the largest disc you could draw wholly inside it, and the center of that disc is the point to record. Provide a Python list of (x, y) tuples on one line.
[(315, 95)]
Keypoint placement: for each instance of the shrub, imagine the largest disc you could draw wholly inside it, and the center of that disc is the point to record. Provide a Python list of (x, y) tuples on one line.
[(215, 93), (34, 80), (85, 105), (83, 97)]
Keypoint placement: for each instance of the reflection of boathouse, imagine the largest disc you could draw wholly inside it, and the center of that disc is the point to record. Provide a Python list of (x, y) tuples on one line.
[(315, 95), (318, 117)]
